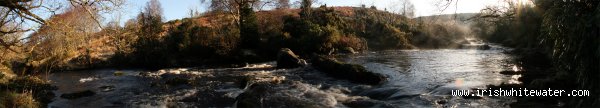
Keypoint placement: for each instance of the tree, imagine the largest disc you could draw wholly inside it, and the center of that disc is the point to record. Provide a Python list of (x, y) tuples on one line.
[(63, 37), (571, 29), (18, 12), (248, 27), (244, 16), (282, 4), (403, 7), (148, 47), (306, 8), (231, 7)]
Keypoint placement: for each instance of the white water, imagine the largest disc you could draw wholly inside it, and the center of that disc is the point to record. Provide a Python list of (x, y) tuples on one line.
[(417, 78)]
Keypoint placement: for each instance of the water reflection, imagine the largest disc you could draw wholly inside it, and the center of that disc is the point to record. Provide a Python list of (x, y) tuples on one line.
[(417, 78), (430, 75)]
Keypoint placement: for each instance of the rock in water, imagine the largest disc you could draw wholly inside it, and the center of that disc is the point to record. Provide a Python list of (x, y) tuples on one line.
[(287, 59), (80, 94), (484, 47), (353, 72), (348, 50)]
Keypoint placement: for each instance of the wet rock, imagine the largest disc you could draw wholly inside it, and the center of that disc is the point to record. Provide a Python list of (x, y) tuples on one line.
[(475, 46), (347, 50), (441, 102), (107, 88), (253, 97), (510, 73), (118, 73), (80, 94), (484, 47), (353, 72), (250, 80), (177, 81), (261, 95), (287, 59), (472, 97), (360, 103)]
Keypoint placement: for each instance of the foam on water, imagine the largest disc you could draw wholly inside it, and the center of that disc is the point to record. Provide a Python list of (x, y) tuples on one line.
[(417, 78)]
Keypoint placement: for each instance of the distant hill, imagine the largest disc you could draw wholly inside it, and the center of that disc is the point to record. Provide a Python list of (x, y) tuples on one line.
[(464, 18)]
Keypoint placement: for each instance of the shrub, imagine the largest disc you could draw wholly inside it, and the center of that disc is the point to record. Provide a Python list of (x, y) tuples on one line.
[(193, 40), (32, 88), (9, 99), (353, 42)]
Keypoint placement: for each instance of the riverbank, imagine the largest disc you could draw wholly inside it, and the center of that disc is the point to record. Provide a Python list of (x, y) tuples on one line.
[(537, 72)]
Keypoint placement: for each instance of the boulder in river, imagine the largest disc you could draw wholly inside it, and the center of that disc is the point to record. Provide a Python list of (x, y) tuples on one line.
[(287, 59), (79, 94), (177, 81), (353, 72), (347, 50), (476, 46), (292, 94)]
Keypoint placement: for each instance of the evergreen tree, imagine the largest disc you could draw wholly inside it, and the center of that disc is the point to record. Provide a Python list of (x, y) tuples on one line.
[(248, 27)]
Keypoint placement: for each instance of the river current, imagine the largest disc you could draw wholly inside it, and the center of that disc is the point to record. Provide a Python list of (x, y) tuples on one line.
[(416, 78)]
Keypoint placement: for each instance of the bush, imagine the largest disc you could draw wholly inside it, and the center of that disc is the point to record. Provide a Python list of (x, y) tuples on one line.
[(193, 40), (353, 42), (32, 88), (9, 99), (321, 33)]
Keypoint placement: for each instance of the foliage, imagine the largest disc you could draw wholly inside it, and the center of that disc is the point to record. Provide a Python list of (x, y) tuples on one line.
[(193, 40), (32, 89), (319, 34), (567, 29), (571, 29), (382, 30), (519, 26), (148, 50), (22, 11), (64, 37), (9, 99), (248, 27)]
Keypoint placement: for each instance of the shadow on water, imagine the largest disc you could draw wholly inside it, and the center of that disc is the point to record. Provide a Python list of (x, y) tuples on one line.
[(417, 78), (426, 78)]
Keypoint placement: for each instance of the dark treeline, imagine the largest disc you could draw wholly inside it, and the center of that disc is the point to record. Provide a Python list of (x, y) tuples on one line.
[(566, 32)]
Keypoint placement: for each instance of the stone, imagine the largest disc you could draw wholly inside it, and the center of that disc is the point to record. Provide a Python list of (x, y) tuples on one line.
[(287, 59), (76, 95), (347, 50), (352, 72)]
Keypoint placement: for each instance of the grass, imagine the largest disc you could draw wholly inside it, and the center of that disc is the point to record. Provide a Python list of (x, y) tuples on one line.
[(10, 99)]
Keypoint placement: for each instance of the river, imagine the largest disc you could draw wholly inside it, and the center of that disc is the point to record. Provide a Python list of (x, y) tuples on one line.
[(416, 78)]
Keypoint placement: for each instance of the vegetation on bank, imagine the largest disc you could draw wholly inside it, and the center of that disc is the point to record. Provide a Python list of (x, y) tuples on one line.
[(564, 32)]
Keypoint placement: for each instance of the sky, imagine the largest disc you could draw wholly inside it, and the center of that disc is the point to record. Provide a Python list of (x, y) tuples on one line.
[(177, 9)]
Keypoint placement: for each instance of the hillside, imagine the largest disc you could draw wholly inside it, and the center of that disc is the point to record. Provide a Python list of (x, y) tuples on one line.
[(214, 37)]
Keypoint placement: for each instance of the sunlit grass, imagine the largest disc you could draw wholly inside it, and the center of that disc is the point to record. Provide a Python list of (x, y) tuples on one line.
[(10, 99)]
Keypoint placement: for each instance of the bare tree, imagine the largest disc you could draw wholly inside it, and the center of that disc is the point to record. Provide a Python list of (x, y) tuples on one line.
[(408, 9), (283, 4), (91, 6), (306, 8), (231, 7), (19, 12), (403, 7), (62, 37), (150, 20)]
